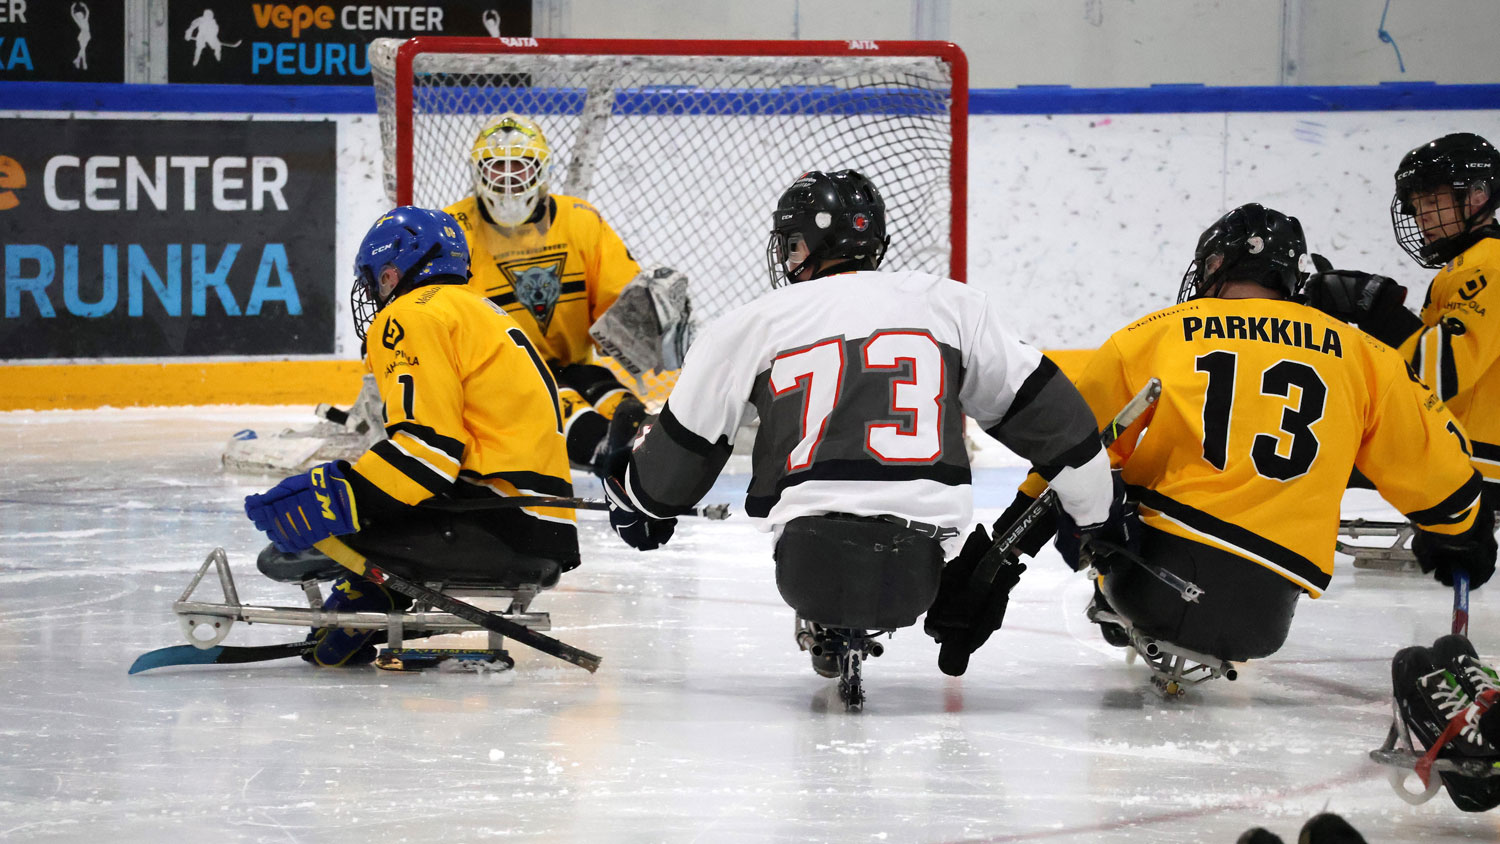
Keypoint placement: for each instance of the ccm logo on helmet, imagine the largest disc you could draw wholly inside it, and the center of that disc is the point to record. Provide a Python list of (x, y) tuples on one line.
[(12, 178)]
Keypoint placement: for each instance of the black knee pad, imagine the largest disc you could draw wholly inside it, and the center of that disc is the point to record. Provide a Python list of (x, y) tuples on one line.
[(854, 571)]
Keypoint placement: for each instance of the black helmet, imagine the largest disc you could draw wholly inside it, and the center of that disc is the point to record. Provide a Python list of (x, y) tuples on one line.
[(839, 216), (1250, 243), (1462, 161)]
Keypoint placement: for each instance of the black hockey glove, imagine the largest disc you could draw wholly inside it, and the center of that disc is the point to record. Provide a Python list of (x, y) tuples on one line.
[(964, 614), (614, 448), (1104, 544), (640, 531), (1473, 551), (1371, 302), (1035, 536)]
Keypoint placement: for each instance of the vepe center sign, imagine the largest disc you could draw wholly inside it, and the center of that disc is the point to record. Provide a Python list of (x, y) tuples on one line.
[(147, 238), (292, 43)]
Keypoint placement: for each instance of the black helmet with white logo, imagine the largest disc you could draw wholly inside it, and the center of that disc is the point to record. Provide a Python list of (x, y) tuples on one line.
[(838, 217)]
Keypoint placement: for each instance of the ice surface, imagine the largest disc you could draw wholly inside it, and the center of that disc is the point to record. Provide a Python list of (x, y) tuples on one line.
[(704, 724)]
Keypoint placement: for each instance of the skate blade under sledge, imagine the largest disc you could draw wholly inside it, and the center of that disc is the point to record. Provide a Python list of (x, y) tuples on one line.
[(206, 623), (479, 660), (1174, 669), (851, 648), (1396, 557)]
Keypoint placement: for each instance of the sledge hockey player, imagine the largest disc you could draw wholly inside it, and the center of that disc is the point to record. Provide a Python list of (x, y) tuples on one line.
[(861, 380), (1447, 684), (1266, 406), (555, 265), (471, 416), (1443, 214)]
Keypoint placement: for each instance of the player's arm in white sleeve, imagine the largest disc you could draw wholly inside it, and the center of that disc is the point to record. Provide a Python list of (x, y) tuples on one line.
[(1025, 402), (684, 449)]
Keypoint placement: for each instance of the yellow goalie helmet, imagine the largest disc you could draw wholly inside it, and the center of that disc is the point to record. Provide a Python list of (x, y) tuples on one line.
[(511, 163)]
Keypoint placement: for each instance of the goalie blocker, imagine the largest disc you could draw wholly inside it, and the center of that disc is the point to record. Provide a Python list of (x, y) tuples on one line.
[(650, 326)]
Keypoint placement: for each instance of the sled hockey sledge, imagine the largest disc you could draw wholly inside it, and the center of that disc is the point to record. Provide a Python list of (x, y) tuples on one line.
[(849, 648), (1395, 557), (206, 623), (1173, 669)]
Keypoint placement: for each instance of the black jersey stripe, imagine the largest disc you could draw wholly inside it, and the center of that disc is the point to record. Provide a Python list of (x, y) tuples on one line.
[(685, 438), (858, 470), (430, 438), (1234, 535), (419, 472), (1453, 509), (1447, 366), (530, 482)]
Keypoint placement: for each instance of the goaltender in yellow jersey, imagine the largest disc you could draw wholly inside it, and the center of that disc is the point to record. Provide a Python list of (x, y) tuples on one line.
[(552, 263)]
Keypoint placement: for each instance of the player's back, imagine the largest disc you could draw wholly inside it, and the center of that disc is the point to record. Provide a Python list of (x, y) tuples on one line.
[(858, 381), (461, 375), (1266, 406)]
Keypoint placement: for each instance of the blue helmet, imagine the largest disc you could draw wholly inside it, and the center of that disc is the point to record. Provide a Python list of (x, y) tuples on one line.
[(420, 243)]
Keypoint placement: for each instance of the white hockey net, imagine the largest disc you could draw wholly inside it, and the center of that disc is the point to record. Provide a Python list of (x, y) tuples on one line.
[(685, 155)]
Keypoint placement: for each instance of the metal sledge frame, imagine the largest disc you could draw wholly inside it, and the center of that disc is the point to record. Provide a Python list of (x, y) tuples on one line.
[(1396, 557), (1174, 669), (195, 615)]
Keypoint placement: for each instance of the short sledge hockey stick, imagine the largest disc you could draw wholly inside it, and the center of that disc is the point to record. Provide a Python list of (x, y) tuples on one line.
[(1000, 552), (358, 563), (714, 512)]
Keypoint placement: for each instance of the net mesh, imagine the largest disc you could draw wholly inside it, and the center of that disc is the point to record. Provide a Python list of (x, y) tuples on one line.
[(685, 156)]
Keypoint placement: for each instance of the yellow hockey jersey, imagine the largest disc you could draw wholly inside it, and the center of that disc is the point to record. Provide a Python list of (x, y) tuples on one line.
[(1265, 407), (554, 279), (469, 406), (1458, 349)]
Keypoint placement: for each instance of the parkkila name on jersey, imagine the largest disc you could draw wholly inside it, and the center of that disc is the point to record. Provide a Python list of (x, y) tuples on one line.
[(1286, 332)]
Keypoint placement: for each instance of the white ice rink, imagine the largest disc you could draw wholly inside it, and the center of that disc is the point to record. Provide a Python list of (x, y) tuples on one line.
[(705, 724)]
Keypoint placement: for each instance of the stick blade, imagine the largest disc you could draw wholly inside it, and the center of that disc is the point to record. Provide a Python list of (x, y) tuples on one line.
[(175, 655)]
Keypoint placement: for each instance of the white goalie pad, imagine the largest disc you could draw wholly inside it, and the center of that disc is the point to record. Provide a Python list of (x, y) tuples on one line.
[(651, 325), (337, 435)]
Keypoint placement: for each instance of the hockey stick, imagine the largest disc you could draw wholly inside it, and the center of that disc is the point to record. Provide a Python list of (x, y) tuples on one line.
[(358, 563), (1000, 552), (714, 512), (1461, 603), (235, 654)]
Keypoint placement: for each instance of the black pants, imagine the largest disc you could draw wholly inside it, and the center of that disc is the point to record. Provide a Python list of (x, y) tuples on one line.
[(488, 548), (1244, 613), (854, 571)]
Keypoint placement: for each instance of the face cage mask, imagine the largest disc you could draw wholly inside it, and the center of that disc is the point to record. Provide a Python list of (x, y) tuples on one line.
[(1439, 252), (778, 252), (511, 194), (362, 304)]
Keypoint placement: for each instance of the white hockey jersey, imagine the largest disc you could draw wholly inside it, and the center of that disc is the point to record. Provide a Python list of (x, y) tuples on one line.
[(861, 382)]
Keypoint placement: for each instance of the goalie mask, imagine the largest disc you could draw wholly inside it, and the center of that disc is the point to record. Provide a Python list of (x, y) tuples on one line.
[(826, 223), (512, 162), (1250, 243), (421, 245), (1445, 193)]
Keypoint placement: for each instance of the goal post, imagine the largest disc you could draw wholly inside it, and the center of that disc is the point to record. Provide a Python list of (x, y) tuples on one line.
[(685, 146)]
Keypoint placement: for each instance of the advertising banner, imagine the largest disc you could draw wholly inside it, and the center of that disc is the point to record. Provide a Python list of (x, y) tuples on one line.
[(161, 238), (315, 44), (62, 40)]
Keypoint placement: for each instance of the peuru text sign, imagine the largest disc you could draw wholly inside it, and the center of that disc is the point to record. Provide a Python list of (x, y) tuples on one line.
[(300, 43)]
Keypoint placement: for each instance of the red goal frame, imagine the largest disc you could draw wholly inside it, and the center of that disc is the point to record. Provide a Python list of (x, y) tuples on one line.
[(944, 50)]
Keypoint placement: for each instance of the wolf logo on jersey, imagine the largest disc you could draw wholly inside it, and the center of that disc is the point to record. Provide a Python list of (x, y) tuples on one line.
[(537, 288)]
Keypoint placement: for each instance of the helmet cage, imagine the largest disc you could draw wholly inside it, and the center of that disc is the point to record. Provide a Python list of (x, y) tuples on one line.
[(512, 165), (839, 216)]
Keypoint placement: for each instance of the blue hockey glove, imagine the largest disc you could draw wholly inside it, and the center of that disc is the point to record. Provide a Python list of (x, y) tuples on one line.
[(305, 509)]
